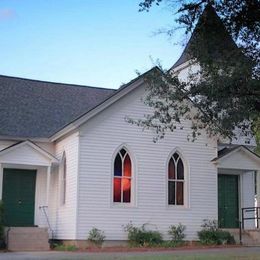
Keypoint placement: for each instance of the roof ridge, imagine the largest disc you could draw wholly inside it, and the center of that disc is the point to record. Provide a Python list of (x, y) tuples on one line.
[(56, 109), (58, 83)]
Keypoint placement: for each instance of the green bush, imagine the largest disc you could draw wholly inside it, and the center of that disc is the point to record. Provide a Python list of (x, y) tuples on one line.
[(96, 236), (211, 225), (142, 237), (177, 234), (211, 235), (225, 238), (61, 247)]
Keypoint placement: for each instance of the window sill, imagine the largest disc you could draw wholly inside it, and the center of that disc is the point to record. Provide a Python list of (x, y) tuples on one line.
[(181, 207), (123, 205)]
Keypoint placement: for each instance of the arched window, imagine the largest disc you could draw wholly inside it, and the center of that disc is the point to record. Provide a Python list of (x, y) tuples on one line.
[(63, 179), (176, 180), (122, 179)]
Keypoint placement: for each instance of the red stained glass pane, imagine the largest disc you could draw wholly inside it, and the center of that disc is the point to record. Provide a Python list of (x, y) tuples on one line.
[(171, 169), (180, 170), (127, 166), (126, 190), (179, 193), (117, 190)]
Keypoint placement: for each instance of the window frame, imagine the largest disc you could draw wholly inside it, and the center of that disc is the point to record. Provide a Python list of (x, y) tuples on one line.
[(132, 202), (63, 180), (185, 181)]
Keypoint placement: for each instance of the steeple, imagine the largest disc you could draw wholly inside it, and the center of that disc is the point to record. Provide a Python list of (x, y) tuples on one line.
[(210, 37)]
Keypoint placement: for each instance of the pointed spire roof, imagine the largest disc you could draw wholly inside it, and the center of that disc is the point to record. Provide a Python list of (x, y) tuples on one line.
[(212, 37)]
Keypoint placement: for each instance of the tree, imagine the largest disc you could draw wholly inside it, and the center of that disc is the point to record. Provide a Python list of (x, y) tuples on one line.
[(241, 19), (224, 94)]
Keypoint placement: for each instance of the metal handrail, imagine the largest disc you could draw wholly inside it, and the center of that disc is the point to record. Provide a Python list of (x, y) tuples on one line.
[(47, 219), (256, 217)]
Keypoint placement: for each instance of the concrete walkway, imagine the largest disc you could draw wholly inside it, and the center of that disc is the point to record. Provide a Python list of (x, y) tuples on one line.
[(217, 253)]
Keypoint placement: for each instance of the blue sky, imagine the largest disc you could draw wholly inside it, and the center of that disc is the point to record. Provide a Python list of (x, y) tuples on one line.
[(90, 42)]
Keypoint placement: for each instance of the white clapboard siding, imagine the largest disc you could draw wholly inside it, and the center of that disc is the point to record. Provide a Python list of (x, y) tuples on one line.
[(240, 159), (40, 199), (48, 147), (187, 70), (53, 201), (25, 155), (65, 227), (248, 196), (6, 143), (102, 136), (40, 196)]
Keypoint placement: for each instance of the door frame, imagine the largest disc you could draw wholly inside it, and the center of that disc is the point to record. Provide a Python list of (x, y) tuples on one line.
[(239, 189), (25, 168)]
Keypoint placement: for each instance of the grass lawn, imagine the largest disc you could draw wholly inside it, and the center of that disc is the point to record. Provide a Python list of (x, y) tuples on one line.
[(195, 257), (236, 253), (174, 256), (239, 253), (170, 257)]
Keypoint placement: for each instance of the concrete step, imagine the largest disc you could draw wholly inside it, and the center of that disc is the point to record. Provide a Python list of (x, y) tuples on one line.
[(249, 237), (27, 239), (253, 237)]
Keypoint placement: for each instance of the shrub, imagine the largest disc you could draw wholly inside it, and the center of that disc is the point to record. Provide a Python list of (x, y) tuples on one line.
[(211, 225), (177, 234), (142, 237), (211, 235), (61, 247), (225, 238), (96, 236)]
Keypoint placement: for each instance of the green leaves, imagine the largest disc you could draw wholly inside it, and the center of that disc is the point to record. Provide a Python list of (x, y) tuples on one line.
[(96, 236), (224, 93), (147, 4), (139, 236)]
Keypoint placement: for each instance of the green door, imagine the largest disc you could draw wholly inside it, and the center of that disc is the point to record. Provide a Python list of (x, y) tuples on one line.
[(19, 197), (228, 201)]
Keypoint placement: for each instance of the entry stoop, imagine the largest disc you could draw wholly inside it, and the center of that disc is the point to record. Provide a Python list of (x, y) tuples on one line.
[(249, 237), (27, 239)]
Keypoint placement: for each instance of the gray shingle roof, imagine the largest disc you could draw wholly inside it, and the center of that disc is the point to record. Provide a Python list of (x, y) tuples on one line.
[(226, 150), (32, 108), (209, 33)]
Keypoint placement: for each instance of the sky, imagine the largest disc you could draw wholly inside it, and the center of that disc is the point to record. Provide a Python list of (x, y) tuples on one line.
[(88, 42)]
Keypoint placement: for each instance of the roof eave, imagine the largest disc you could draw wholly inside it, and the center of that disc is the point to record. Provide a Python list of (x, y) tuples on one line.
[(28, 142), (21, 138), (182, 66), (240, 147)]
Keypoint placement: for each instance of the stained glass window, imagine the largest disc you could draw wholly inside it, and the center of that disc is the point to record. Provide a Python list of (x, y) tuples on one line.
[(175, 180), (122, 177)]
